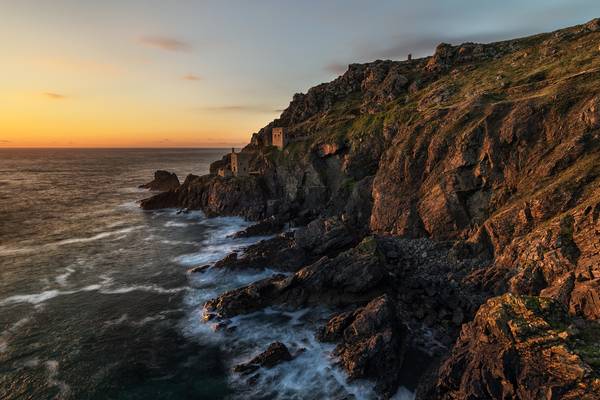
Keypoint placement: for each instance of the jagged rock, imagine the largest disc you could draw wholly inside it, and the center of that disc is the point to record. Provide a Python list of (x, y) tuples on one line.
[(275, 354), (265, 227), (199, 269), (246, 196), (163, 182), (325, 235), (517, 347), (352, 276), (372, 343), (279, 253)]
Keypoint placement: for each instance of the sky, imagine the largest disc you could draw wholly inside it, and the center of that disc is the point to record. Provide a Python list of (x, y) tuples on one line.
[(155, 73)]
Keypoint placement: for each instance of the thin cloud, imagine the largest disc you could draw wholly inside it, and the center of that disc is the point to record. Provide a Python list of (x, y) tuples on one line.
[(191, 77), (54, 96), (336, 67), (165, 43), (5, 141)]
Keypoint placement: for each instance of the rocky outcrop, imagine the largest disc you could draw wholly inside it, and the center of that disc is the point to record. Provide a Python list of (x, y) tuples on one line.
[(353, 276), (279, 253), (163, 182), (275, 354), (215, 195), (371, 342), (519, 347)]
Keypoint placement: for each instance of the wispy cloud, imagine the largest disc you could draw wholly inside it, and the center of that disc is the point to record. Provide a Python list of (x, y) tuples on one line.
[(165, 43), (54, 96), (191, 77), (5, 141), (336, 67)]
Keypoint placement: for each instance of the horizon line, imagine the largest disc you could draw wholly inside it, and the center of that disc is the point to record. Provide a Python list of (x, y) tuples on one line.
[(119, 147)]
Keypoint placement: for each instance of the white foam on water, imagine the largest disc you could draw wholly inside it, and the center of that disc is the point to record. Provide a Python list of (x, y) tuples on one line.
[(122, 319), (8, 251), (62, 278), (175, 224), (130, 205), (35, 298), (10, 332), (104, 287), (52, 367), (311, 374), (176, 242), (218, 244), (404, 394), (142, 288)]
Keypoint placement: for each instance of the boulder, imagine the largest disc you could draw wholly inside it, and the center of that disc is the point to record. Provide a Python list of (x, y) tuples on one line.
[(279, 253), (164, 181), (275, 354), (372, 343)]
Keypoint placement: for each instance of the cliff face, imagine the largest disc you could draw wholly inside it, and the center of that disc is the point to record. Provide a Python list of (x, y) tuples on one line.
[(489, 155)]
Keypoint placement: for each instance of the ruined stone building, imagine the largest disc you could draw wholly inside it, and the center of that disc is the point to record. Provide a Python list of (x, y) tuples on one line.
[(278, 138), (240, 163), (224, 172)]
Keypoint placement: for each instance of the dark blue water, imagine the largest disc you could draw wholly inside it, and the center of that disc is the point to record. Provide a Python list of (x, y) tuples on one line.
[(96, 301)]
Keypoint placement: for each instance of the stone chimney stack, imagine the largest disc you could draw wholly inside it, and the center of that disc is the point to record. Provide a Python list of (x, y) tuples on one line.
[(232, 150), (409, 56)]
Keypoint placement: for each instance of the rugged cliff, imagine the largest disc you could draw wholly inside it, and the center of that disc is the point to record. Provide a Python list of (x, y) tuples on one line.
[(423, 189)]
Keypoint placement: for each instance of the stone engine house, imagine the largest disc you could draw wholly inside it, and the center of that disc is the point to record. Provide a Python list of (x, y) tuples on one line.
[(240, 163), (278, 138)]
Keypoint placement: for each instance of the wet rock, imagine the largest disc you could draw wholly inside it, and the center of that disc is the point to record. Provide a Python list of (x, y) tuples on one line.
[(265, 227), (163, 182), (372, 343), (352, 276), (275, 354), (199, 269), (279, 253)]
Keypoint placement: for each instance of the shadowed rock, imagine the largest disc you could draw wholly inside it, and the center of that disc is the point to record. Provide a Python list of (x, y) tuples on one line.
[(275, 354), (163, 182)]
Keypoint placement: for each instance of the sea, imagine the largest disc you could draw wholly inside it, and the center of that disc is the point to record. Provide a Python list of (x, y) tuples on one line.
[(97, 300)]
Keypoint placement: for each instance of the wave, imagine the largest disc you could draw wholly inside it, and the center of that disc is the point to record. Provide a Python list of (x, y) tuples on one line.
[(143, 288), (38, 298), (52, 369), (10, 332), (7, 251), (62, 278)]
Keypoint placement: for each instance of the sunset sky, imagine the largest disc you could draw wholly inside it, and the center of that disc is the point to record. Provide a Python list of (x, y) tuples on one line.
[(209, 73)]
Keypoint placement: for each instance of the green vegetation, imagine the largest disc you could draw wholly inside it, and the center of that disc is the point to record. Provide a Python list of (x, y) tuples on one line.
[(586, 344)]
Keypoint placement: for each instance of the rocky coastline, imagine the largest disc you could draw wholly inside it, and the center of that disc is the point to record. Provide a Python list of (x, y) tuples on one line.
[(448, 210)]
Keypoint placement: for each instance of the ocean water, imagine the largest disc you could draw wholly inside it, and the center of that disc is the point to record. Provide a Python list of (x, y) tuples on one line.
[(96, 301)]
